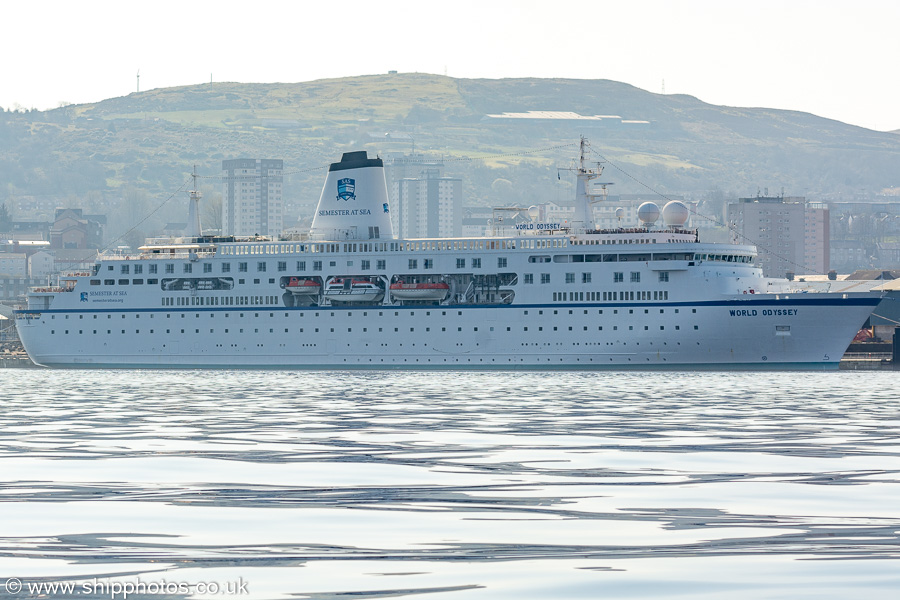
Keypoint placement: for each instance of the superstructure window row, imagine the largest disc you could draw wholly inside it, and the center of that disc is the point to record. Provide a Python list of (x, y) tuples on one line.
[(353, 247), (638, 295), (124, 282)]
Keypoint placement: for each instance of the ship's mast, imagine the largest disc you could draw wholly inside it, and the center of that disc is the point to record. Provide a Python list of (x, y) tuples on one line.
[(583, 220), (193, 228)]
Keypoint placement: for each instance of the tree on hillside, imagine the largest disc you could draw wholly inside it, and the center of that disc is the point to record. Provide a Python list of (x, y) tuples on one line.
[(211, 208), (5, 219)]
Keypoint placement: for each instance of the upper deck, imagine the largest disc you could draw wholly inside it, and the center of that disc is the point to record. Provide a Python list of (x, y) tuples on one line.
[(196, 249)]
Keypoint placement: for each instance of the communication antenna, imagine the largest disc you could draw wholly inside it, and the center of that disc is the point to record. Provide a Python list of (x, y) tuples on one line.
[(664, 87), (139, 80)]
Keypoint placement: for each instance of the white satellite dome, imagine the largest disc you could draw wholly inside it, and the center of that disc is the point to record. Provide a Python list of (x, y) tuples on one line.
[(648, 213), (675, 214), (620, 212), (534, 211)]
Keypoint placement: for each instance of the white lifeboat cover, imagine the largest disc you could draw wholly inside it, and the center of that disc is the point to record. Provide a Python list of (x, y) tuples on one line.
[(354, 201)]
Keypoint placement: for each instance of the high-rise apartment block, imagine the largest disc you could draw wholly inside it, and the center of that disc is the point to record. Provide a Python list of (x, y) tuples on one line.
[(252, 196), (427, 205), (791, 234)]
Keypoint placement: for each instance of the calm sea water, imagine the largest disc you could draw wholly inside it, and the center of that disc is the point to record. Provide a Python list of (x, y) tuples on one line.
[(335, 485)]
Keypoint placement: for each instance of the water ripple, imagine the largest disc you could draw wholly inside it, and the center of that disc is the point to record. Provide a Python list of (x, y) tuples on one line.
[(578, 478)]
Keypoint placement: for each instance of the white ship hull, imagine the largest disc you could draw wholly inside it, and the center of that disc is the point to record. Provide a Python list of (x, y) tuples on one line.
[(726, 334)]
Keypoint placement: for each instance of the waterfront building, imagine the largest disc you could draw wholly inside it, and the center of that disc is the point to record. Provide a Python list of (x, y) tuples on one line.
[(427, 205), (791, 234), (252, 196)]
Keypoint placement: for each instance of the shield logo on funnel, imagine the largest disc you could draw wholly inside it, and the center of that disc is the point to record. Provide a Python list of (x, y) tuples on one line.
[(346, 189)]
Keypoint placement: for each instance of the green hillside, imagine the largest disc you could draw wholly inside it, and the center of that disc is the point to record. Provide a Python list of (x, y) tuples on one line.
[(142, 146)]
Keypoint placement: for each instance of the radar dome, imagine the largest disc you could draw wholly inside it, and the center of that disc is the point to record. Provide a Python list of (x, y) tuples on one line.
[(675, 214), (620, 212), (648, 213), (534, 212)]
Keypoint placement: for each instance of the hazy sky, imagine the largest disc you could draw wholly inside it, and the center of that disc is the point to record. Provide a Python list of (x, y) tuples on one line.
[(834, 59)]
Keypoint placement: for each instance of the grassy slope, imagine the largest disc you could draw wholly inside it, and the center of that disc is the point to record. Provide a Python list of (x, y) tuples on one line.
[(150, 140)]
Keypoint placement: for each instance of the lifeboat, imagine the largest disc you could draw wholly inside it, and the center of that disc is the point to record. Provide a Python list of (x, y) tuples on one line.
[(419, 291), (345, 289), (302, 287)]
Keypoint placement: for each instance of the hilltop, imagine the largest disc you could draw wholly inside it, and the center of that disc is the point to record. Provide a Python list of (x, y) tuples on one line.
[(143, 145)]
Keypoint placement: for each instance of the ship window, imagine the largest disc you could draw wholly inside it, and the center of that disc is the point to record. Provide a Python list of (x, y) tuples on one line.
[(170, 268), (317, 265), (528, 277), (413, 263), (109, 282), (242, 267), (301, 265), (261, 266), (138, 282), (663, 276), (364, 265), (187, 267), (95, 282), (226, 267), (618, 277), (138, 269), (460, 263), (152, 269), (585, 278), (125, 269), (381, 265), (570, 277), (501, 263), (476, 263), (428, 263), (635, 277), (545, 277)]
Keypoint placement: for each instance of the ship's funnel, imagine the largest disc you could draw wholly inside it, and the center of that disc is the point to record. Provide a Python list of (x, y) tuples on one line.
[(354, 201)]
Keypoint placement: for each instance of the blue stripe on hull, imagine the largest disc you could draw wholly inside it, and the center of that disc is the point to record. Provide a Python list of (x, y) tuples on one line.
[(865, 301)]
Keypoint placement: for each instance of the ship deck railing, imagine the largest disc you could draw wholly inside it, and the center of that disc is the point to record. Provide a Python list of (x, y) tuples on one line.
[(158, 256)]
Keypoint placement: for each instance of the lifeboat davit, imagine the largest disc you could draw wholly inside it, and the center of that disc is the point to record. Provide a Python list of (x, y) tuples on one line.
[(302, 287), (420, 291), (345, 289)]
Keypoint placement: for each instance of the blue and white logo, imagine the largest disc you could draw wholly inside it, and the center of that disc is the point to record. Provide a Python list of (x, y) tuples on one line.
[(385, 207), (84, 296), (346, 189)]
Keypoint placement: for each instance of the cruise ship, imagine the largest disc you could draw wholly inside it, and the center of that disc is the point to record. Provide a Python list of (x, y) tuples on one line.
[(351, 296)]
